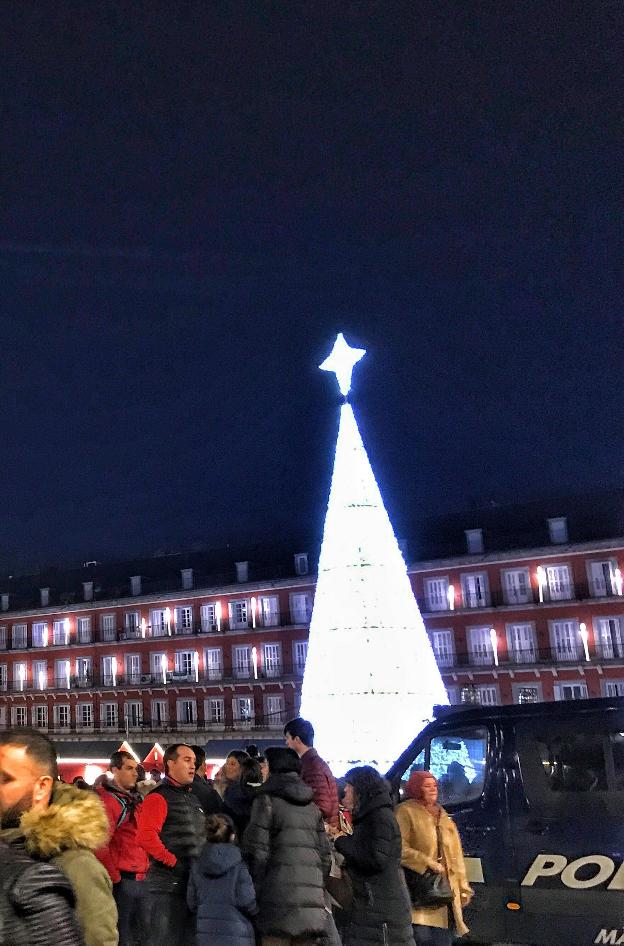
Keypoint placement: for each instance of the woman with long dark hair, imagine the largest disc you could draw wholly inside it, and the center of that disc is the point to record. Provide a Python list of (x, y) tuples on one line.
[(380, 910), (431, 842)]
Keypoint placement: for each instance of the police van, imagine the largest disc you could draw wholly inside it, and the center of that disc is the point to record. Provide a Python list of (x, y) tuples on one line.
[(537, 793)]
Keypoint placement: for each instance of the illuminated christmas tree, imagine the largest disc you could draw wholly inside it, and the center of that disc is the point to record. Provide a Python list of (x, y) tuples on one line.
[(371, 679)]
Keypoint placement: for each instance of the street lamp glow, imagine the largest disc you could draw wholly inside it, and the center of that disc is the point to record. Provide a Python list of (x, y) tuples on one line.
[(585, 638), (143, 627), (218, 615), (168, 620), (114, 670), (254, 660), (541, 582), (253, 612), (196, 666), (450, 597), (66, 625), (494, 640), (163, 666), (617, 577)]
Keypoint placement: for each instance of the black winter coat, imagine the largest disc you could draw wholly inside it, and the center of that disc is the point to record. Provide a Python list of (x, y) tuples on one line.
[(289, 857), (36, 903), (237, 803), (380, 913), (220, 891)]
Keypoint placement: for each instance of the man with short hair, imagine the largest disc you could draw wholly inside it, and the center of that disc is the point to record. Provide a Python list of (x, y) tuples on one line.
[(209, 798), (172, 831), (58, 824), (315, 772), (124, 859)]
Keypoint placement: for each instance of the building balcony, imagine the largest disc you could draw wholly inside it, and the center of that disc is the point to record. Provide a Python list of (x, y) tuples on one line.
[(118, 729), (531, 658), (498, 599)]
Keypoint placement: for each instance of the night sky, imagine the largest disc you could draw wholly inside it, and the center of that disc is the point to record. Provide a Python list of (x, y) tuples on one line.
[(195, 198)]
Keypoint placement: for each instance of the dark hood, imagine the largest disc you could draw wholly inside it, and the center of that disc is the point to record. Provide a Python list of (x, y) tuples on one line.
[(380, 799), (217, 859), (239, 798), (287, 785)]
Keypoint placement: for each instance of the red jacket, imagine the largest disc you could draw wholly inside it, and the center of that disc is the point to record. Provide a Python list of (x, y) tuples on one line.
[(316, 773), (122, 853)]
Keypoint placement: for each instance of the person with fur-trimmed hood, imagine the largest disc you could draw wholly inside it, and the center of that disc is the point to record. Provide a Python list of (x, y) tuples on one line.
[(288, 853), (58, 824)]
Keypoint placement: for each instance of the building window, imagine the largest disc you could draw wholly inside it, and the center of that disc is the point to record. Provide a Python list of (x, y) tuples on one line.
[(60, 631), (527, 694), (475, 590), (183, 620), (108, 627), (20, 675), (40, 674), (613, 688), (132, 664), (443, 647), (274, 711), (109, 715), (184, 663), (243, 711), (84, 715), (481, 695), (521, 643), (516, 586), (608, 636), (40, 716), (241, 660), (269, 610), (39, 634), (19, 716), (214, 711), (300, 655), (565, 639), (19, 636), (62, 716), (132, 624), (160, 713), (84, 671), (213, 662), (300, 608), (134, 714), (239, 614), (187, 712), (480, 645), (209, 622), (272, 660), (570, 691), (559, 582), (109, 671), (4, 676), (3, 637), (83, 630), (159, 664), (602, 578), (437, 594), (62, 673)]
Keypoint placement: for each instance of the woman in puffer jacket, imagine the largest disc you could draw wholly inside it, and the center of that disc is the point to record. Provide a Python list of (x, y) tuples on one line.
[(289, 856), (380, 910)]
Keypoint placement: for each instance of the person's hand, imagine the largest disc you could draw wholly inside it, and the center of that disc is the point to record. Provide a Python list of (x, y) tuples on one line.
[(438, 868), (466, 897)]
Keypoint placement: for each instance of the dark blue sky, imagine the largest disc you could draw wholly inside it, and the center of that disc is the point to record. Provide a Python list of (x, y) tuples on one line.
[(196, 197)]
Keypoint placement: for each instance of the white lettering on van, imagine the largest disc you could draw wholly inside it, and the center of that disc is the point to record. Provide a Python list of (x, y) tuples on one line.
[(610, 938), (554, 865)]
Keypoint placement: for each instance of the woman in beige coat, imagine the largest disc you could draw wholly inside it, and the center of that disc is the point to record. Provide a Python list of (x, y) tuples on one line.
[(417, 817)]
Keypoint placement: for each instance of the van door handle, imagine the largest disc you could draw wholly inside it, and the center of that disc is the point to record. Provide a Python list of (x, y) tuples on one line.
[(538, 827)]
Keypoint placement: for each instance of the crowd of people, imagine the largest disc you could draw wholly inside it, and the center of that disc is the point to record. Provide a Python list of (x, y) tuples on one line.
[(275, 851)]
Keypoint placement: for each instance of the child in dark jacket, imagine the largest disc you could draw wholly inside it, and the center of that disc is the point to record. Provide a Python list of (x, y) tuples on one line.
[(220, 890)]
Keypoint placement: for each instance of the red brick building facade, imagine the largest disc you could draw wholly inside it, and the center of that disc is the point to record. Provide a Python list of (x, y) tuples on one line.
[(209, 660)]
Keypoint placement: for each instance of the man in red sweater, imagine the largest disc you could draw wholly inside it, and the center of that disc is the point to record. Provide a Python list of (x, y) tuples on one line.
[(124, 860), (315, 772)]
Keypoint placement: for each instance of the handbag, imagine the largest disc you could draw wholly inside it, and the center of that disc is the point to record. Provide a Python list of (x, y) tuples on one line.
[(429, 889)]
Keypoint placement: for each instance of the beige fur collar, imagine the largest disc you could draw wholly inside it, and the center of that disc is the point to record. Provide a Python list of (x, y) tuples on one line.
[(73, 819)]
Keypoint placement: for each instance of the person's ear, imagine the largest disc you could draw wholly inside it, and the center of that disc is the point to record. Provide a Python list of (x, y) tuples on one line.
[(42, 791)]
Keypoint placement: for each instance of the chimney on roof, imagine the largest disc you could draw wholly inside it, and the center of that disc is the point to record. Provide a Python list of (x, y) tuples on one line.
[(242, 571), (301, 563), (135, 585), (558, 530), (187, 578), (87, 590), (474, 541), (4, 602), (45, 597)]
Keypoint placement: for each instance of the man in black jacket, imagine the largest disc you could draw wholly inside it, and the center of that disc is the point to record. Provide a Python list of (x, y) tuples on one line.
[(171, 830), (209, 797), (36, 903), (288, 854)]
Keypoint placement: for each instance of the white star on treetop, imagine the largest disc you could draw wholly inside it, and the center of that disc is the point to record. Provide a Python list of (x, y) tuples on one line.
[(342, 360)]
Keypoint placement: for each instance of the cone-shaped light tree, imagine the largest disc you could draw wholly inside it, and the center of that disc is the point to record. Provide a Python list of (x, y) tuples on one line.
[(371, 679)]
